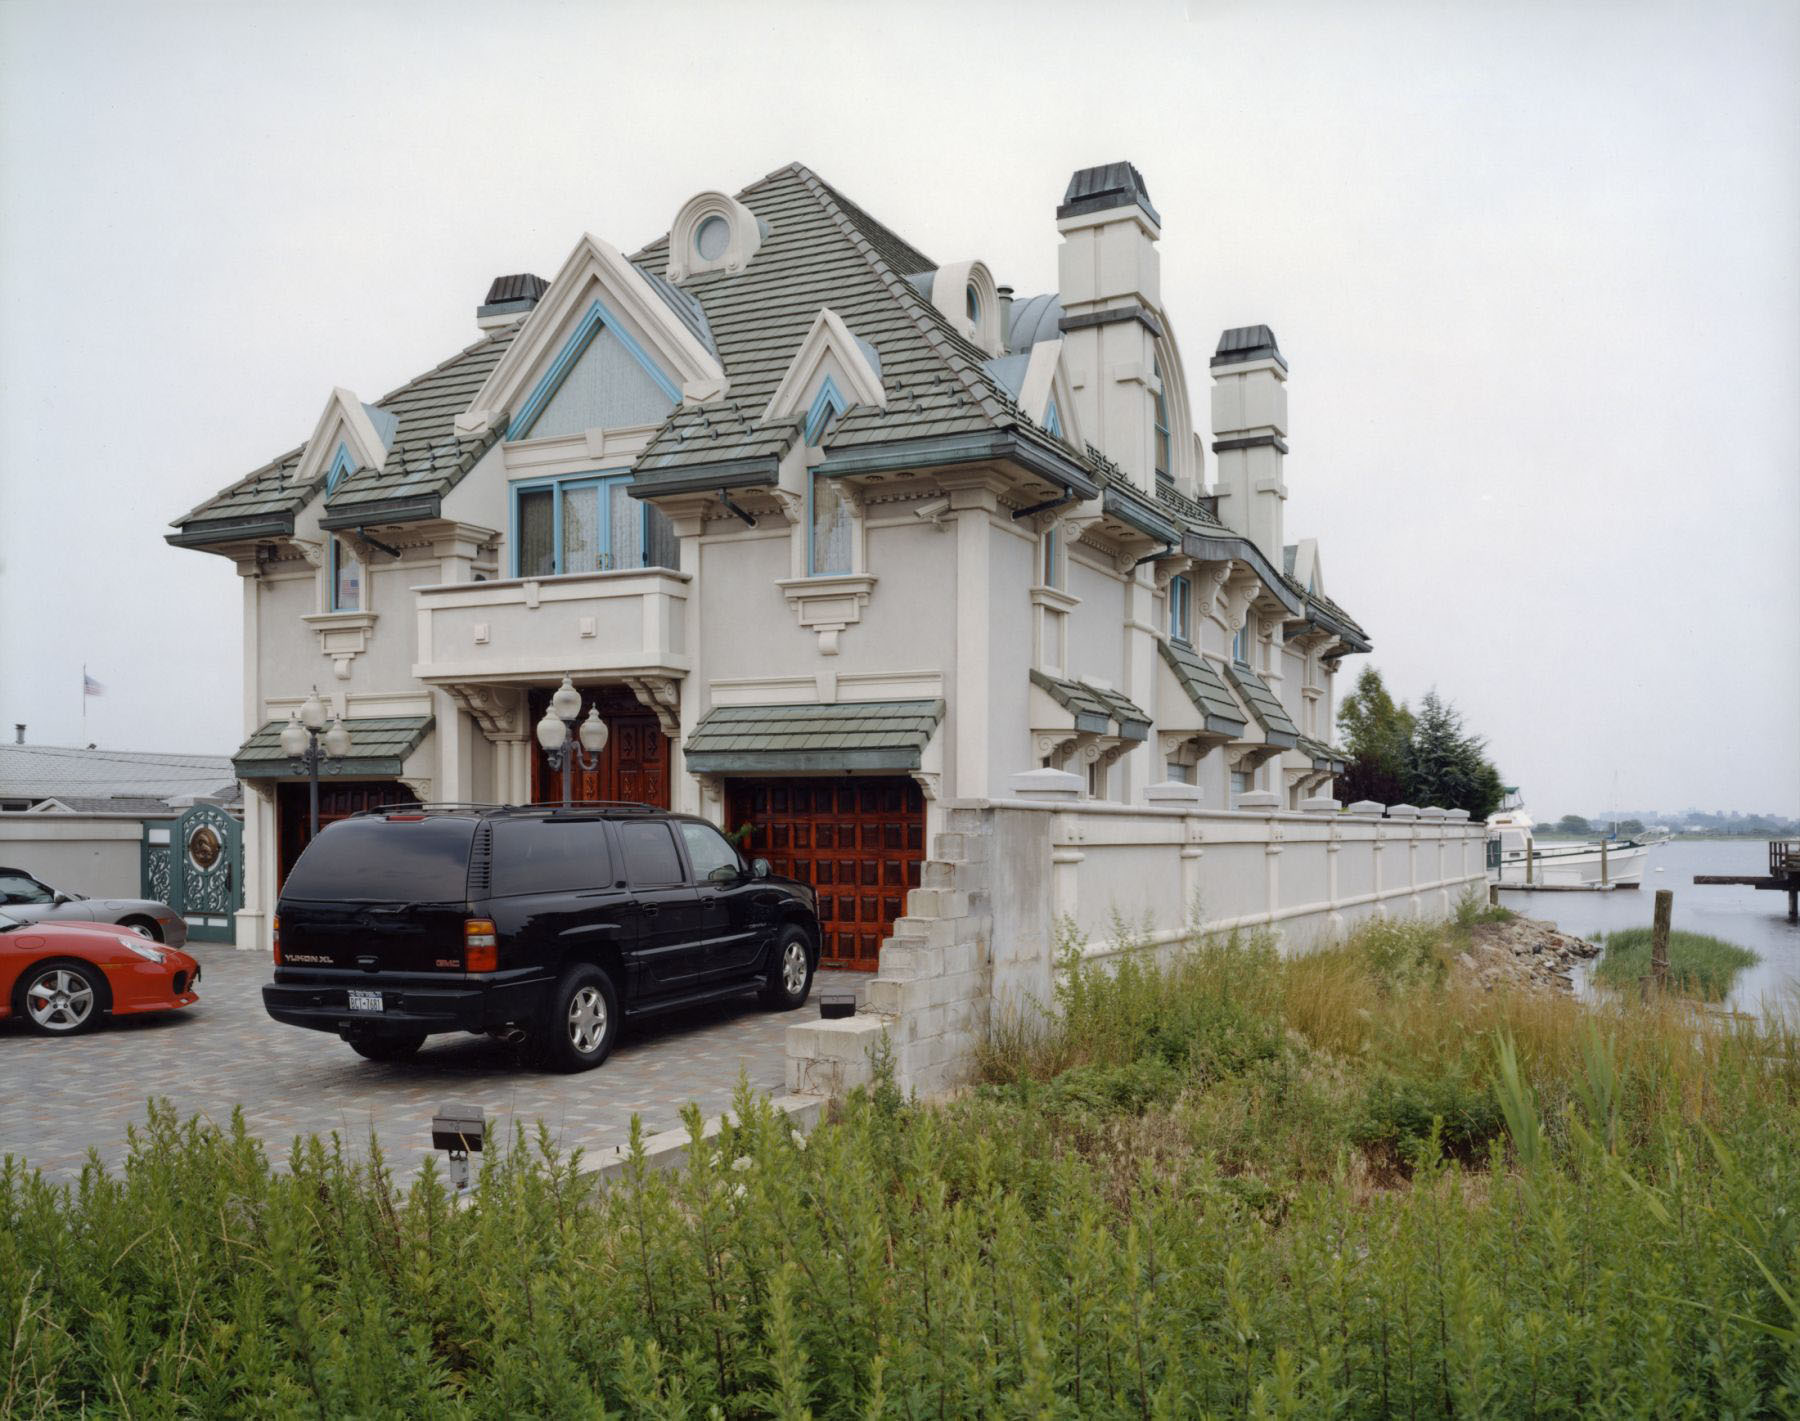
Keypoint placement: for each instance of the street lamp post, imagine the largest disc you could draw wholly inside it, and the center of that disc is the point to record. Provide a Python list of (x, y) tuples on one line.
[(561, 748), (302, 743)]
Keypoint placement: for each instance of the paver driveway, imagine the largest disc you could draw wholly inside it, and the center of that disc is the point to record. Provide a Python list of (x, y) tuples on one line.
[(59, 1097)]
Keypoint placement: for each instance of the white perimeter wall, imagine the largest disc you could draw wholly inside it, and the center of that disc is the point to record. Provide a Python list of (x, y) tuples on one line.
[(94, 854)]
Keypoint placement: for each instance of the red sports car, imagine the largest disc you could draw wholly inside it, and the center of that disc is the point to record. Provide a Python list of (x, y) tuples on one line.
[(61, 978)]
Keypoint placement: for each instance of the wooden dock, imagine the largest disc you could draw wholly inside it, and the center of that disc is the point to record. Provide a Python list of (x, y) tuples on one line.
[(1783, 875)]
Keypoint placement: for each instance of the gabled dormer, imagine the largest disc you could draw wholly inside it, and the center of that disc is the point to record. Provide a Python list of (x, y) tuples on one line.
[(830, 355), (608, 344), (349, 436)]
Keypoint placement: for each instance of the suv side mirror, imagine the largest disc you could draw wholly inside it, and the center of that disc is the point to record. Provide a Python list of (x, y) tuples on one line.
[(58, 898), (759, 868)]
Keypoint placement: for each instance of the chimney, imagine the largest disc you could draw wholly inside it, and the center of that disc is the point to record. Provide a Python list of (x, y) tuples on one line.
[(1005, 293), (1109, 280), (18, 732), (1249, 420), (509, 300)]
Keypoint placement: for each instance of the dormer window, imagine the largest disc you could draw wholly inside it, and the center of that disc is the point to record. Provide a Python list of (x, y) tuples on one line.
[(1052, 420), (827, 405), (712, 232), (711, 238), (974, 307)]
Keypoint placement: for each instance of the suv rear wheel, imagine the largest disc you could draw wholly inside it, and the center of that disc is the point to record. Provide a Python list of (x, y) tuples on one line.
[(792, 978), (581, 1020)]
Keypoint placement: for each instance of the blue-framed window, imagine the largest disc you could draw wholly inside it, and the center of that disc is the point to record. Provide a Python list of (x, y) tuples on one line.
[(1243, 643), (586, 523), (1181, 601), (343, 578), (1053, 419)]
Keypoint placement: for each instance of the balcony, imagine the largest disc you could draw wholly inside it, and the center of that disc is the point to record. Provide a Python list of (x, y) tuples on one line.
[(525, 629)]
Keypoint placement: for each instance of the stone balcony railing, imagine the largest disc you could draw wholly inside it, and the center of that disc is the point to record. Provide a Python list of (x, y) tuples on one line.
[(623, 624)]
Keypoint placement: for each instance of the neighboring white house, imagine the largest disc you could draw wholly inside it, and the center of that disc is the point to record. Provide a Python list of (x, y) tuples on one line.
[(830, 533)]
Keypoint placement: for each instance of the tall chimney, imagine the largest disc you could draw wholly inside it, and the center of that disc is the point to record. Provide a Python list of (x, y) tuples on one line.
[(18, 732), (1249, 420), (1109, 278), (509, 300)]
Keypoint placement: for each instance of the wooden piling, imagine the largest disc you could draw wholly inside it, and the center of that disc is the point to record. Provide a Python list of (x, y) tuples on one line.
[(1659, 938), (1603, 878), (1493, 895), (1530, 858)]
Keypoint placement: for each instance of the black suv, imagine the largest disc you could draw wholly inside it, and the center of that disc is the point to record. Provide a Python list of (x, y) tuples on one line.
[(542, 926)]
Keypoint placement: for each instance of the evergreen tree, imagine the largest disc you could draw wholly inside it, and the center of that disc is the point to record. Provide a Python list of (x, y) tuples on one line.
[(1377, 733), (1445, 764)]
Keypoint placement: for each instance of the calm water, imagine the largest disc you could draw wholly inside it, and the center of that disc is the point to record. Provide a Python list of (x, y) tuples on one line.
[(1751, 918)]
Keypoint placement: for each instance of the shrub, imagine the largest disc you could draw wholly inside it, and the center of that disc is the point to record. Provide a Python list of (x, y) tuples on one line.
[(1699, 966)]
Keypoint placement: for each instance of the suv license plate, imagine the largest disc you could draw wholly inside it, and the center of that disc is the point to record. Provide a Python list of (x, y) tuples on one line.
[(365, 1001)]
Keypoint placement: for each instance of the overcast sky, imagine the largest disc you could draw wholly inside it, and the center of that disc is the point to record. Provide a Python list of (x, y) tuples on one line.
[(1534, 268)]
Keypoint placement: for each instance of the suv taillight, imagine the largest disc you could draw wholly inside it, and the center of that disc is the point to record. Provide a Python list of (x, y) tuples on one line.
[(481, 950), (275, 925)]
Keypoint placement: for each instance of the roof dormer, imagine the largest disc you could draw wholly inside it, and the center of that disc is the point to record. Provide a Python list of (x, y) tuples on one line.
[(831, 359), (712, 232), (349, 436)]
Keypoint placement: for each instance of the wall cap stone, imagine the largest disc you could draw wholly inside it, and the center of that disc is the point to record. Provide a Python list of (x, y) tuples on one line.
[(1403, 811), (1046, 784), (1322, 805), (1258, 799), (1374, 808), (1173, 792), (1460, 815), (1432, 811)]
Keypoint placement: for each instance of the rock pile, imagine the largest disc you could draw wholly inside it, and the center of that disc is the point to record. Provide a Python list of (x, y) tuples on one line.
[(1524, 953)]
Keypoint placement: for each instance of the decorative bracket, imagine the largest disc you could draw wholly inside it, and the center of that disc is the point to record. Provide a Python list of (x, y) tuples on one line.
[(661, 694), (498, 710)]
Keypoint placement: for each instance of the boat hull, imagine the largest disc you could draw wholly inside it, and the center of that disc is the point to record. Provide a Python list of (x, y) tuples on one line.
[(1576, 866)]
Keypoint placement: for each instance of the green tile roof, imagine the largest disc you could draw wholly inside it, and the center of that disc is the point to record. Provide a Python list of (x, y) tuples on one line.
[(425, 460), (1096, 711), (1219, 712), (1278, 728), (823, 250), (379, 745), (1324, 755), (853, 735)]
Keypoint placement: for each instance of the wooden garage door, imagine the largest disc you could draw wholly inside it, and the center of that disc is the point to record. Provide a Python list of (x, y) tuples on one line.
[(860, 843)]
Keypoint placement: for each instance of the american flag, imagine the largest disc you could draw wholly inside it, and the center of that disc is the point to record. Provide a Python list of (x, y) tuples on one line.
[(91, 687)]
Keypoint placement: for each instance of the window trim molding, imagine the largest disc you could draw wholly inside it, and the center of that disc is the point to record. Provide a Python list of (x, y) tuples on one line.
[(598, 317), (329, 602)]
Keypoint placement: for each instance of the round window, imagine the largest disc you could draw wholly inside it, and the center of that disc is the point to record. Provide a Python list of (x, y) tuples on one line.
[(712, 237), (974, 307), (204, 846)]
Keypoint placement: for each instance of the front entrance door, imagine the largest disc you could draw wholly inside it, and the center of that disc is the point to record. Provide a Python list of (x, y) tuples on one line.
[(337, 800), (633, 766), (859, 842)]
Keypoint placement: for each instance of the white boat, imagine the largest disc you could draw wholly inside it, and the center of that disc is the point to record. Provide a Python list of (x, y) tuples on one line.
[(1615, 862)]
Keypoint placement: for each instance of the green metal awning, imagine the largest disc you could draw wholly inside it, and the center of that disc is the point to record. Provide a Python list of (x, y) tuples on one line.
[(1324, 757), (379, 746), (851, 735), (1097, 711), (1265, 705), (1219, 713)]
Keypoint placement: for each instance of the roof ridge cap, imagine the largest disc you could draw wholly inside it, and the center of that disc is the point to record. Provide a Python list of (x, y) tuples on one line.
[(975, 381)]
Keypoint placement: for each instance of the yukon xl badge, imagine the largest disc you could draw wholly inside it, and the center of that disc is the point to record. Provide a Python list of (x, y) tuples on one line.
[(305, 957)]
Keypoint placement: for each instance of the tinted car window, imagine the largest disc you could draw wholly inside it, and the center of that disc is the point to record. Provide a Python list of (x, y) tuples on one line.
[(550, 856), (708, 851), (22, 888), (375, 861), (650, 857)]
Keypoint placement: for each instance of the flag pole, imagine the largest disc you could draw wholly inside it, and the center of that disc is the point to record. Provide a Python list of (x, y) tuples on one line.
[(84, 739)]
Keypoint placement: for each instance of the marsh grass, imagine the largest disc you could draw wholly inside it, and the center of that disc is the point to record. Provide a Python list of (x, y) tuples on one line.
[(1242, 1184), (1699, 966)]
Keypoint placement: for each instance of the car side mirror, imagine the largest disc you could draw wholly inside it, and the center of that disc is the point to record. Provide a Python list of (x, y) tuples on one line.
[(58, 898), (759, 868)]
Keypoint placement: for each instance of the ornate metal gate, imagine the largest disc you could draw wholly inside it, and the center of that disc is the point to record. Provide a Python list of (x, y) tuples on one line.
[(196, 866)]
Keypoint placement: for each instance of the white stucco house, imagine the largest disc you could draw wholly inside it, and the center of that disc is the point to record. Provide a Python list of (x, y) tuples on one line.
[(832, 534)]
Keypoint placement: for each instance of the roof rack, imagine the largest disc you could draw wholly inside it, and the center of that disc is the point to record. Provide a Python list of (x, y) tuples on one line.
[(488, 810)]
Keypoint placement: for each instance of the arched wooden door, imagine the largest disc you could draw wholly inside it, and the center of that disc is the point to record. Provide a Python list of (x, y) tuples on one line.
[(634, 765)]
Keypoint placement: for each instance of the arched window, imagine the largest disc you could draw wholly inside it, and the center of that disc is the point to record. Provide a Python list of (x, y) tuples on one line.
[(1162, 422)]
